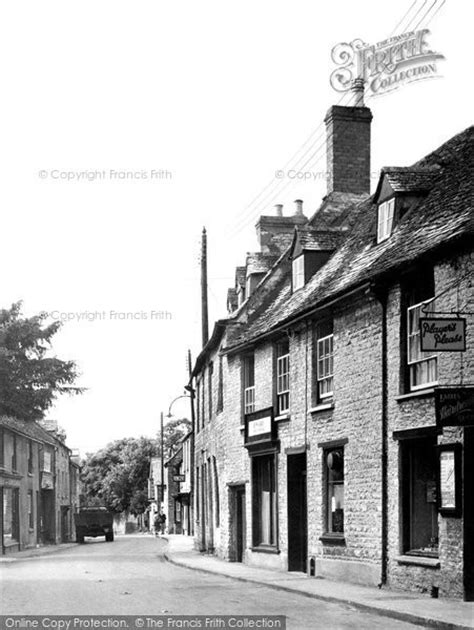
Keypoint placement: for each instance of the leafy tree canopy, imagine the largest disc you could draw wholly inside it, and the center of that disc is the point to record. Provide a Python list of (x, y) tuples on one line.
[(173, 432), (30, 380), (117, 475)]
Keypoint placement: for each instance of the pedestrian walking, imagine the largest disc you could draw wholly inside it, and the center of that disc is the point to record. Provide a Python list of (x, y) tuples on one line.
[(157, 525), (162, 517)]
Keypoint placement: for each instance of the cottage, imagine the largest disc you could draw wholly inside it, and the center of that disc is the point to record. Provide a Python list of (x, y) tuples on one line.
[(326, 441)]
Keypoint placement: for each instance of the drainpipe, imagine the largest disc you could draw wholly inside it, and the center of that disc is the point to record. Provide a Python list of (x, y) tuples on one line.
[(381, 295)]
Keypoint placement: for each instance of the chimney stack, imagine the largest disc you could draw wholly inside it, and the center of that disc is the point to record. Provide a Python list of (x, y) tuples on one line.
[(348, 145), (298, 207), (357, 91)]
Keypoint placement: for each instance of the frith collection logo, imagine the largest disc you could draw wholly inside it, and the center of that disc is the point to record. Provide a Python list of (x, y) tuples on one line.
[(384, 66)]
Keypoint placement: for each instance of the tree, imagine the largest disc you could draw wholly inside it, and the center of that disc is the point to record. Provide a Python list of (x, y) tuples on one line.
[(117, 475), (30, 380), (173, 432)]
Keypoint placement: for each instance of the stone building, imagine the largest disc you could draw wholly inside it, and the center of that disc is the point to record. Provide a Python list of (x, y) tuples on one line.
[(326, 440), (35, 484)]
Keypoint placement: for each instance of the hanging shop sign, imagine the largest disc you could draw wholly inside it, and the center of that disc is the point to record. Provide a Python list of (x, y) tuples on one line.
[(260, 428), (454, 406), (443, 334), (449, 479), (179, 478)]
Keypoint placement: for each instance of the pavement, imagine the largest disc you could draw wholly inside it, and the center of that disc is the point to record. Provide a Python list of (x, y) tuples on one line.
[(409, 607), (35, 552)]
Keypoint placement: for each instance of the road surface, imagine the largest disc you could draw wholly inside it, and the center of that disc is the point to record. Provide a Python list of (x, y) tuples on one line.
[(131, 577)]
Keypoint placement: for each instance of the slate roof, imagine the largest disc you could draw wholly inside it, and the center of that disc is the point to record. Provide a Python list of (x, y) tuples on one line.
[(410, 179), (317, 240), (257, 262), (29, 428), (441, 218), (333, 213)]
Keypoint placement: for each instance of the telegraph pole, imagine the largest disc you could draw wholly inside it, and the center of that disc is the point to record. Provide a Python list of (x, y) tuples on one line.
[(162, 498)]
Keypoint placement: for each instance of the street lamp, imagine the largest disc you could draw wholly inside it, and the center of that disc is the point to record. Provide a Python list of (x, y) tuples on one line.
[(189, 395)]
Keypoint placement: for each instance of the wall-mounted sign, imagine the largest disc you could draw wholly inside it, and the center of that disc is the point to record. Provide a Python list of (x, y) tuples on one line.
[(449, 484), (260, 428), (443, 334), (454, 406), (47, 481), (179, 478)]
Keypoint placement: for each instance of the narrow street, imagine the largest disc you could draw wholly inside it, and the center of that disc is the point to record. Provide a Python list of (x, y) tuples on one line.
[(131, 576)]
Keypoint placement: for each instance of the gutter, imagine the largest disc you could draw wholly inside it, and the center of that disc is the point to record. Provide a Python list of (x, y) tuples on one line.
[(315, 309)]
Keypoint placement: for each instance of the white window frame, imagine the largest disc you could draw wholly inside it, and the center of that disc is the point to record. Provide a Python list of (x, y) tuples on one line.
[(283, 383), (297, 267), (415, 357), (386, 212), (249, 384), (325, 366)]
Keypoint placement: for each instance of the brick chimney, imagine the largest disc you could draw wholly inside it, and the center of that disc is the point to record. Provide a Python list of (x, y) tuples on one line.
[(348, 144)]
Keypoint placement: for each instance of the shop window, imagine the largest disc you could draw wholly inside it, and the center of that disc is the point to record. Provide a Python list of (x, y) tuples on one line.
[(264, 512), (324, 361), (334, 468), (11, 524), (420, 517), (248, 368), (283, 377)]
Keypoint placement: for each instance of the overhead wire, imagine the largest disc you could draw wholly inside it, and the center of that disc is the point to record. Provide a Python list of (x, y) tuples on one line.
[(243, 221)]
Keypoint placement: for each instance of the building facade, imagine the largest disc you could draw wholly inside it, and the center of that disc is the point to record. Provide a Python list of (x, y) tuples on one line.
[(327, 441), (35, 485)]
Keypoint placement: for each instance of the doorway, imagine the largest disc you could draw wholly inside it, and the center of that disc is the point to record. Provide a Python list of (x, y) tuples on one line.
[(237, 501), (468, 514), (297, 516)]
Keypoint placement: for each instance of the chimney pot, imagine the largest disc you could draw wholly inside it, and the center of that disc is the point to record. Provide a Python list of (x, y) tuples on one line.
[(357, 90), (279, 209), (298, 207)]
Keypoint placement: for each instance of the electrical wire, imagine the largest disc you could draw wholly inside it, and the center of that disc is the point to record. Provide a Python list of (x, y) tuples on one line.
[(253, 208)]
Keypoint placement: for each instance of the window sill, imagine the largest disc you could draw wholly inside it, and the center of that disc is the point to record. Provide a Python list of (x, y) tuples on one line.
[(419, 561), (333, 539), (321, 407), (265, 549), (283, 417), (417, 393)]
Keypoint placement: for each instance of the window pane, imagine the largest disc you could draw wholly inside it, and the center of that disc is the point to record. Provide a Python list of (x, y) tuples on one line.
[(335, 490), (419, 497)]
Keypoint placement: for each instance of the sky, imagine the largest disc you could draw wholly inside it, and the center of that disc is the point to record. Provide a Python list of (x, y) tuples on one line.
[(129, 126)]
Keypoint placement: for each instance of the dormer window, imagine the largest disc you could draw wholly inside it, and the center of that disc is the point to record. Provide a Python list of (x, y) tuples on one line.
[(385, 220), (298, 272)]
